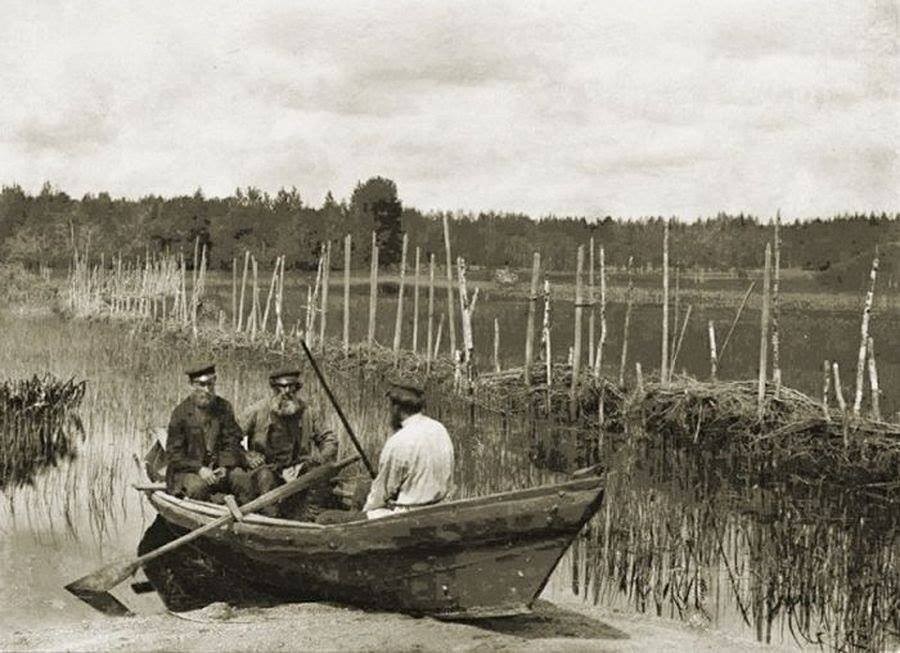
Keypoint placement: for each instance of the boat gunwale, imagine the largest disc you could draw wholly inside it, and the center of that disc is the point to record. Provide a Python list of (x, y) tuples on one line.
[(215, 510)]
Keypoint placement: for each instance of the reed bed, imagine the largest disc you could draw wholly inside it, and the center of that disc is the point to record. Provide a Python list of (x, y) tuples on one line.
[(38, 425)]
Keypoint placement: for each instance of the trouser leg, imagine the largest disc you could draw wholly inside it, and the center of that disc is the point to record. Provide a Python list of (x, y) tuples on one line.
[(241, 485), (264, 480)]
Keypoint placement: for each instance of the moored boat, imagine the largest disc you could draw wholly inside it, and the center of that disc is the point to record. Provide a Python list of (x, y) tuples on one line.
[(481, 557)]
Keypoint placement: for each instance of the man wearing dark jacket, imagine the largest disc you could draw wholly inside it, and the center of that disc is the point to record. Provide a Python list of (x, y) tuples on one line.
[(205, 457), (283, 442)]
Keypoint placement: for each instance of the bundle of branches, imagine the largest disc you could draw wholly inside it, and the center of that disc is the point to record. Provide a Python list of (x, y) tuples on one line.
[(792, 440), (593, 393), (38, 425)]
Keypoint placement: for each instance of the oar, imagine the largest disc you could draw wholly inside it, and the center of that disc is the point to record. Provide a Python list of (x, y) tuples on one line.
[(94, 588), (337, 408)]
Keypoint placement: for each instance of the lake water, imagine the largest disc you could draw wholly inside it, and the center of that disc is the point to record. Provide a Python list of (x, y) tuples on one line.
[(677, 537)]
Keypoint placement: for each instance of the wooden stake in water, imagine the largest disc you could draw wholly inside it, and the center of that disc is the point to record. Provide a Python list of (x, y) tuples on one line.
[(664, 361), (590, 302), (415, 333), (234, 293), (676, 315), (254, 312), (450, 310), (764, 336), (398, 322), (532, 308), (346, 333), (326, 281), (430, 342), (737, 317), (677, 348), (496, 345), (545, 339), (579, 309), (864, 337), (712, 351), (625, 327), (240, 319), (776, 337), (601, 346), (838, 389), (437, 339), (272, 283), (873, 381), (373, 292), (826, 386), (279, 305)]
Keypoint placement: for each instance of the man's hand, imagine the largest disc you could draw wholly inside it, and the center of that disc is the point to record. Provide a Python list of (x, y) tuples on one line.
[(290, 473), (208, 475), (254, 459)]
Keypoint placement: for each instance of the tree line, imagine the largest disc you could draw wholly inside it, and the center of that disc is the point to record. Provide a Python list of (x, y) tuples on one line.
[(43, 228)]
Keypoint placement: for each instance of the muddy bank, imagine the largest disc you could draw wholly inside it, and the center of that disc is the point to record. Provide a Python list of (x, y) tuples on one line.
[(311, 626)]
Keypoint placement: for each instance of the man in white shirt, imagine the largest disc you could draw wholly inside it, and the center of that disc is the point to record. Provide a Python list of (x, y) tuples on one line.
[(415, 468)]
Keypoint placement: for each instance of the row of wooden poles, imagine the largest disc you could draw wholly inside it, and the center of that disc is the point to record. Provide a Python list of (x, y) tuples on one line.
[(144, 288), (140, 288)]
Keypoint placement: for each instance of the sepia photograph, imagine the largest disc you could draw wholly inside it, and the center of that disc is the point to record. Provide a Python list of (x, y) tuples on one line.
[(450, 326)]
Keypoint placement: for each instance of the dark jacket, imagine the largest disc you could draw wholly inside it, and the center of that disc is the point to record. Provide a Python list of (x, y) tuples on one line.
[(285, 440), (203, 437)]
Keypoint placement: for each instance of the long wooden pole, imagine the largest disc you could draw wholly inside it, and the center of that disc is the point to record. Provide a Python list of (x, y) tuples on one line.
[(326, 279), (776, 313), (496, 345), (430, 341), (664, 360), (532, 309), (398, 322), (234, 293), (713, 360), (373, 292), (764, 335), (625, 327), (826, 386), (346, 331), (598, 360), (864, 338), (450, 310), (873, 381), (415, 332), (240, 320), (590, 302), (579, 310)]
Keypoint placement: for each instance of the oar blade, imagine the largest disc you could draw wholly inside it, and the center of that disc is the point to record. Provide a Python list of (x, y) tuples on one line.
[(94, 588)]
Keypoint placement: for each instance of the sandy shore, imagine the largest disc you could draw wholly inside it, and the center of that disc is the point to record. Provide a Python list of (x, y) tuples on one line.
[(312, 626)]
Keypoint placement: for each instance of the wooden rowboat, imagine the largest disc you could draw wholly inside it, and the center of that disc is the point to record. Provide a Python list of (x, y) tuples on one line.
[(483, 557)]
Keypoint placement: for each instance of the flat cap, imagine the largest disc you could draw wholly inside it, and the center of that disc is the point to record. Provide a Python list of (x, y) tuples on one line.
[(200, 372), (405, 389), (284, 376)]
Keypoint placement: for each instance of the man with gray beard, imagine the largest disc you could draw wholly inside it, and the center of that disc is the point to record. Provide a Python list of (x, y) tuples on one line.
[(283, 442)]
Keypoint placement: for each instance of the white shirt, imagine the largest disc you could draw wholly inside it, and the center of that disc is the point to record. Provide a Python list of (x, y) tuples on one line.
[(415, 467)]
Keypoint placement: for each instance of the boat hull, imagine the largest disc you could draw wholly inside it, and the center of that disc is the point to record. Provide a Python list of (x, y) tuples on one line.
[(473, 558)]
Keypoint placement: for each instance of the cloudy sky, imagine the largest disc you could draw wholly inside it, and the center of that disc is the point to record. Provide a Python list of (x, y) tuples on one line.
[(627, 108)]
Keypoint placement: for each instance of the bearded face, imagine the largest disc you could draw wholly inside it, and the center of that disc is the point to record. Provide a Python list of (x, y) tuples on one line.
[(285, 401), (203, 393)]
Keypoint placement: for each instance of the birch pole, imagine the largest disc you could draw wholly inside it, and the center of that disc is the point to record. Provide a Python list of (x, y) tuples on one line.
[(415, 333), (864, 338), (664, 361), (532, 307), (764, 336), (450, 313), (234, 293), (545, 338), (625, 327), (373, 292), (579, 310), (826, 386), (598, 359), (873, 381), (398, 322), (776, 278), (591, 304), (326, 280), (430, 340), (496, 345), (346, 331), (713, 362), (240, 320)]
